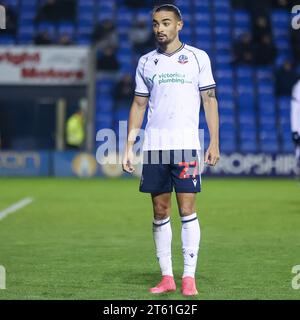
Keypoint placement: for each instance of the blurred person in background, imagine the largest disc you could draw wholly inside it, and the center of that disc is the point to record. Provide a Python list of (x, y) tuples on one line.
[(67, 10), (107, 61), (295, 43), (261, 28), (243, 50), (75, 129), (141, 37), (47, 11), (265, 51), (295, 124), (123, 91), (43, 38), (136, 4), (105, 34), (54, 10), (65, 40), (285, 78)]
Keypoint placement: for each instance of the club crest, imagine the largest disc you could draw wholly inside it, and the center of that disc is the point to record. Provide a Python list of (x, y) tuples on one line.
[(183, 59)]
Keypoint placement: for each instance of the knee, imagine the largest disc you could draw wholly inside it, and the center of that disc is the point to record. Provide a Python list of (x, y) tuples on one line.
[(187, 210), (161, 210)]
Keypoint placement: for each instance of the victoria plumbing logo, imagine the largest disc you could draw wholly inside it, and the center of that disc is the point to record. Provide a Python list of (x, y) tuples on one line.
[(2, 18), (296, 17)]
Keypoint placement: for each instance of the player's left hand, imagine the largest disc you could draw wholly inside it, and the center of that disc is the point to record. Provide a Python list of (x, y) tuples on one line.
[(212, 155)]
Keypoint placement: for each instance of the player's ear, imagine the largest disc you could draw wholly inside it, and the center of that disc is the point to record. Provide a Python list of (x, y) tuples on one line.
[(179, 25)]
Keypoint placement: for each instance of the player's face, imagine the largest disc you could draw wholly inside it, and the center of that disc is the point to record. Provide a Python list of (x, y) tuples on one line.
[(166, 26)]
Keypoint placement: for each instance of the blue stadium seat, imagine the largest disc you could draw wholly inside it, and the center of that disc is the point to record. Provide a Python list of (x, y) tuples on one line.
[(280, 17), (264, 73), (245, 97), (104, 121), (201, 5), (26, 32), (238, 31), (269, 145), (222, 33), (105, 86), (85, 6), (222, 4), (221, 44), (66, 28), (248, 145), (223, 18), (47, 26), (244, 72), (12, 3), (242, 19), (7, 40)]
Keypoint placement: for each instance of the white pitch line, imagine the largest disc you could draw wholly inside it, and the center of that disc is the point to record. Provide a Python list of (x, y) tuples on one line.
[(16, 206)]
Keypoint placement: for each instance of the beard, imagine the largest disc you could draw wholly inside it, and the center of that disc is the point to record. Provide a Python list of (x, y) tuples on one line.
[(163, 41)]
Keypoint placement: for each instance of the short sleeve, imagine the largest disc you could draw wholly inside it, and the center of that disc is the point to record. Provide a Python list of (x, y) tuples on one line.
[(141, 88), (206, 79)]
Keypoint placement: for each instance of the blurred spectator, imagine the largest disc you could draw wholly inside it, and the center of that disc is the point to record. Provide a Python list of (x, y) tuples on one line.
[(284, 4), (65, 40), (136, 4), (75, 133), (105, 34), (244, 50), (140, 36), (108, 61), (285, 78), (43, 38), (54, 10), (123, 92), (295, 43), (154, 3), (258, 8), (280, 4), (265, 51), (67, 10), (239, 4), (261, 27), (11, 22), (47, 12)]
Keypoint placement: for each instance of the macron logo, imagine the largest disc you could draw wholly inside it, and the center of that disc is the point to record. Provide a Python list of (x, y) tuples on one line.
[(195, 182)]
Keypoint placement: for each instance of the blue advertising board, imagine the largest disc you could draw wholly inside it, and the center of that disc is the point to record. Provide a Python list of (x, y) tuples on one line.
[(29, 163)]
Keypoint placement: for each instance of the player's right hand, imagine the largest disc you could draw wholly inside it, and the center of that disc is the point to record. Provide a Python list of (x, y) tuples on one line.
[(128, 161)]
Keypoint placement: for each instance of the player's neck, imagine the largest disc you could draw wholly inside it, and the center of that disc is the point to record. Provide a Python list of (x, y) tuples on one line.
[(171, 47)]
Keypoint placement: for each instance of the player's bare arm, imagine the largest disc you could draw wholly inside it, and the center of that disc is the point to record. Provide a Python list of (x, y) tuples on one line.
[(136, 117), (210, 104)]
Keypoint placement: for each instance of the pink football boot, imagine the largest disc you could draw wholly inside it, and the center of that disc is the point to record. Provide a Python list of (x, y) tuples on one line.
[(188, 287), (167, 284)]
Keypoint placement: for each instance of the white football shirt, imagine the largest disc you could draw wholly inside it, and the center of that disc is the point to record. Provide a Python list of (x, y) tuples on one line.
[(295, 108), (172, 82)]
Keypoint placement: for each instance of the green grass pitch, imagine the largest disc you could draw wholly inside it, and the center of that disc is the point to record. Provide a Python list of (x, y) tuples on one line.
[(92, 239)]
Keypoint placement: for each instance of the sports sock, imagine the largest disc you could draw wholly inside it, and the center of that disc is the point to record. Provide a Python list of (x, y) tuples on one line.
[(190, 237), (162, 234)]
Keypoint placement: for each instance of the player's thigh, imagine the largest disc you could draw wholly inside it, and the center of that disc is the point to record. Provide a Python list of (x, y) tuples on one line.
[(186, 203), (161, 204)]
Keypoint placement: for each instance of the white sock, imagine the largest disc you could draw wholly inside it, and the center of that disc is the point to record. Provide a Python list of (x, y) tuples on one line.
[(162, 234), (190, 237)]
